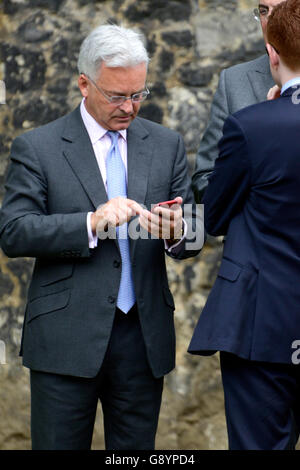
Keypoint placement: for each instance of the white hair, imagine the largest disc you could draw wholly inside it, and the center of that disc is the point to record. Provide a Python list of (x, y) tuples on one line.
[(114, 45)]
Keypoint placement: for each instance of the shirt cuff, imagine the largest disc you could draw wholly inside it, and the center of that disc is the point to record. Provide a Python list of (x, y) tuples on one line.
[(93, 239), (170, 248)]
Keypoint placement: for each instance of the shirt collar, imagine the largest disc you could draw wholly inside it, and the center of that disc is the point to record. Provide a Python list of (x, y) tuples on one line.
[(94, 129), (293, 82)]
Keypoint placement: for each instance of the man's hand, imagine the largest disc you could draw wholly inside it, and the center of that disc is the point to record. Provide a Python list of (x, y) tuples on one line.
[(114, 213), (164, 222), (274, 93)]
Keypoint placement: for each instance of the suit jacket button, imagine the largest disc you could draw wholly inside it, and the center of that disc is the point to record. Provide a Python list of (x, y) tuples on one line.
[(111, 299), (116, 263)]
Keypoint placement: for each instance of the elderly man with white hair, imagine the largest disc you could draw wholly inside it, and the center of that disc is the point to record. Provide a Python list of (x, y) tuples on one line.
[(99, 319)]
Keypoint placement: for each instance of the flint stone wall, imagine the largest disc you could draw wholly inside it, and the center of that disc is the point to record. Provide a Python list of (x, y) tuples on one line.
[(190, 42)]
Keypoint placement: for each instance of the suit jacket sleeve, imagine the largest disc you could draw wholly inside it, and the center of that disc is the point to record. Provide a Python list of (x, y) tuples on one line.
[(26, 228), (193, 215), (229, 183), (208, 150)]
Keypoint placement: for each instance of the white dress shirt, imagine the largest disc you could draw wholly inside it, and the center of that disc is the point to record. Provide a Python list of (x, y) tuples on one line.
[(101, 143), (293, 82)]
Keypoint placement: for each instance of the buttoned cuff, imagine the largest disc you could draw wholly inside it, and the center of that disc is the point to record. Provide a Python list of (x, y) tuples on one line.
[(93, 239), (168, 248)]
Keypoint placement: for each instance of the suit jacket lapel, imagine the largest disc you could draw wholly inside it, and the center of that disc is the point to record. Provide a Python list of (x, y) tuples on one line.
[(139, 157), (261, 79), (79, 152)]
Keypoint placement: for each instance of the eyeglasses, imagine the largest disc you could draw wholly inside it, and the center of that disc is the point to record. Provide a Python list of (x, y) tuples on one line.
[(261, 13), (118, 100)]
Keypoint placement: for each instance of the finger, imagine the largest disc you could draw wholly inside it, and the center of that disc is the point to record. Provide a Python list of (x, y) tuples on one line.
[(122, 210), (150, 224), (150, 219), (145, 224), (167, 211), (274, 92), (135, 207), (148, 215), (179, 200), (112, 218)]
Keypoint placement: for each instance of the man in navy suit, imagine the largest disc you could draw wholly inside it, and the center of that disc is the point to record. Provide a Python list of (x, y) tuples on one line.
[(252, 315)]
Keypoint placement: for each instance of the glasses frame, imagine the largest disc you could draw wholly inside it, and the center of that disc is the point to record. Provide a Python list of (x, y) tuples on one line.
[(119, 100), (258, 15)]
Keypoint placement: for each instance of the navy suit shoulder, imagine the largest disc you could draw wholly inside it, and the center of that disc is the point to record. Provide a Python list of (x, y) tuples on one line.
[(249, 112), (257, 119), (253, 198)]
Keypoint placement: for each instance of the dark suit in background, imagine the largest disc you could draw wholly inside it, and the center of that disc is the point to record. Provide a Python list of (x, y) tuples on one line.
[(239, 86), (252, 314)]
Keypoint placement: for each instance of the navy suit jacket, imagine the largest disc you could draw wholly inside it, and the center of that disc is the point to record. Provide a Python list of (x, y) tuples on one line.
[(253, 198)]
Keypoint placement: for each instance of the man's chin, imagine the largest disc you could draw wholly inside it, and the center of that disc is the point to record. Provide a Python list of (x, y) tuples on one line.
[(122, 122)]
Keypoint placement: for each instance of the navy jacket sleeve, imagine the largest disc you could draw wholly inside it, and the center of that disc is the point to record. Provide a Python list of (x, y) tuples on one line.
[(229, 183)]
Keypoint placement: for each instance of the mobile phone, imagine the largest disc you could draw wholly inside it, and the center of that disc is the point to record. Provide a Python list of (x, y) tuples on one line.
[(167, 203)]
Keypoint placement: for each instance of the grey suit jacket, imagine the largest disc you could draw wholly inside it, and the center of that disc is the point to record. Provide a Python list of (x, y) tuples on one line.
[(239, 86), (53, 181)]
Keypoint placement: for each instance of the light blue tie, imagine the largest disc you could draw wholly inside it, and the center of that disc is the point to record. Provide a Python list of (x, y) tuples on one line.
[(116, 186)]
